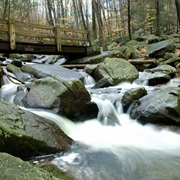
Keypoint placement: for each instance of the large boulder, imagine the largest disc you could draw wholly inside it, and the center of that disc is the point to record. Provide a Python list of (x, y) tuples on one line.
[(14, 168), (66, 97), (116, 70), (45, 70), (160, 48), (160, 107), (25, 134)]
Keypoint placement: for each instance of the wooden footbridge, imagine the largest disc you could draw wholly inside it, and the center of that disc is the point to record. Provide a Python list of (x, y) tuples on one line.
[(26, 38)]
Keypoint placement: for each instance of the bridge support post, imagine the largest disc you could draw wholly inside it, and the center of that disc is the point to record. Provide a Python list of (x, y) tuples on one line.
[(58, 39), (12, 35)]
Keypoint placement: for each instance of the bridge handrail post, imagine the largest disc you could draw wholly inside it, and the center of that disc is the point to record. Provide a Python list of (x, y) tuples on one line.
[(58, 39), (12, 35)]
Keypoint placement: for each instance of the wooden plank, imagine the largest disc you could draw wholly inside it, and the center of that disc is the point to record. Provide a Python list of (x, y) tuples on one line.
[(31, 40), (34, 34), (74, 30), (2, 21), (73, 38), (3, 29), (12, 35), (38, 26)]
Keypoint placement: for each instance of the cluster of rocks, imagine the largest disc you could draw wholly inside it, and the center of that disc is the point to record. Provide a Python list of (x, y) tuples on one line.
[(24, 134)]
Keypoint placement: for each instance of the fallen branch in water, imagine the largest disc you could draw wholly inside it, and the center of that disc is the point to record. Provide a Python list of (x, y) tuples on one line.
[(132, 61)]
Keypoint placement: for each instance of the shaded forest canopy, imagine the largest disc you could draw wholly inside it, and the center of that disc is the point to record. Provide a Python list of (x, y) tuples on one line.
[(106, 19)]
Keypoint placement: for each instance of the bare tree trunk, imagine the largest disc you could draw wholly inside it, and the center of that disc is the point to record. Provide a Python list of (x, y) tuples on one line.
[(94, 29), (82, 14), (75, 13), (6, 8), (97, 9), (157, 18), (129, 19), (50, 17), (122, 14), (177, 2)]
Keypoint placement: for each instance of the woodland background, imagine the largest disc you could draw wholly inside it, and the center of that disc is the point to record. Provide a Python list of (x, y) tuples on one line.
[(105, 19)]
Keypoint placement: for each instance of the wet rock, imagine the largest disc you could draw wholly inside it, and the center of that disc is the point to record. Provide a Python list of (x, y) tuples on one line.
[(24, 134), (90, 68), (116, 70), (23, 57), (159, 106), (17, 63), (45, 70), (18, 73), (167, 69), (158, 78), (14, 168), (49, 59), (158, 75), (131, 95), (66, 97), (103, 83)]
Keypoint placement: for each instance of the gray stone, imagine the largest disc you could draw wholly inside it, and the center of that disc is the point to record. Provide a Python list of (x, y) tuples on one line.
[(45, 70), (25, 134), (160, 107), (116, 70), (131, 95), (160, 48), (66, 97), (23, 77), (167, 69)]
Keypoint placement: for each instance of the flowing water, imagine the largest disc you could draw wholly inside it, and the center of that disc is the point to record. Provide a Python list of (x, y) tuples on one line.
[(113, 146)]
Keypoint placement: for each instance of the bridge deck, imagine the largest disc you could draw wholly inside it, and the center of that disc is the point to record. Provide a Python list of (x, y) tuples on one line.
[(20, 37)]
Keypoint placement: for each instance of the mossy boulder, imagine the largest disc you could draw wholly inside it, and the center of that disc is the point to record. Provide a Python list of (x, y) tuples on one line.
[(25, 134), (116, 70), (66, 97), (13, 168)]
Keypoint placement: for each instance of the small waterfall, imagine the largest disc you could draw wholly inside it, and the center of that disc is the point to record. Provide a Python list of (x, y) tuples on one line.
[(113, 146)]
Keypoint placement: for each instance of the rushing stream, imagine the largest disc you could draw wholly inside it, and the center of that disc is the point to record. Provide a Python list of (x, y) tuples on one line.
[(113, 146)]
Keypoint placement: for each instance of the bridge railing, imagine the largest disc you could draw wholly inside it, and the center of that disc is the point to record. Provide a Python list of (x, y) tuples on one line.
[(21, 32)]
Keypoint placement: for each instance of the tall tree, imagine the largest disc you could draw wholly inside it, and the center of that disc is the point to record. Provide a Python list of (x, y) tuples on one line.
[(157, 17), (129, 19), (50, 11), (177, 2), (6, 8)]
